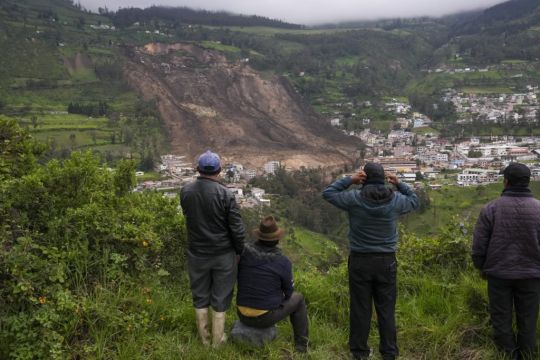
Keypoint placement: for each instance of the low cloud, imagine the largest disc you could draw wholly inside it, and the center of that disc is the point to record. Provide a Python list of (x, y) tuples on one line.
[(313, 11)]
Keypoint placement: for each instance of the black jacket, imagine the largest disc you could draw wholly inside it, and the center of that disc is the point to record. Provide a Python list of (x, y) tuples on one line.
[(506, 240), (213, 219), (264, 278)]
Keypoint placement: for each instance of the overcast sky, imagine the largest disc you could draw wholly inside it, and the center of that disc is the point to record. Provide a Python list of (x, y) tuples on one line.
[(312, 11)]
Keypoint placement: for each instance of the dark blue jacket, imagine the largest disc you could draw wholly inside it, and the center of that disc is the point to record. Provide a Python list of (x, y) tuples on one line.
[(264, 278), (373, 213)]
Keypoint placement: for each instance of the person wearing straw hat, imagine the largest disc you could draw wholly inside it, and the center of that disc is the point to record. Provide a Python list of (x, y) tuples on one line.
[(265, 285)]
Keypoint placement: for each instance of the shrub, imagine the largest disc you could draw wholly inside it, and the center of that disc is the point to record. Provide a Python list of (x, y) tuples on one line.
[(67, 229)]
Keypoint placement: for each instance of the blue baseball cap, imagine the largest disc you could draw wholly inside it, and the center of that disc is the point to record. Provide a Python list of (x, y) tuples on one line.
[(209, 162)]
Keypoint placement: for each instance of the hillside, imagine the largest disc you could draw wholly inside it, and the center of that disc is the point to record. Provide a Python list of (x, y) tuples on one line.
[(208, 102), (92, 270)]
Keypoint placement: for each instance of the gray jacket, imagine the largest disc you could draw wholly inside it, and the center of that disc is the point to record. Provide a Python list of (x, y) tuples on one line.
[(506, 240), (213, 219)]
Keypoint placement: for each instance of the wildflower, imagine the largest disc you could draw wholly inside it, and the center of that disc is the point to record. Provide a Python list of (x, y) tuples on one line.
[(145, 243), (162, 318), (42, 300), (148, 301), (129, 328), (146, 290)]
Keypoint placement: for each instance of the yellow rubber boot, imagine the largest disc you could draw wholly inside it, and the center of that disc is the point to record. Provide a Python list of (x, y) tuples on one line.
[(202, 325)]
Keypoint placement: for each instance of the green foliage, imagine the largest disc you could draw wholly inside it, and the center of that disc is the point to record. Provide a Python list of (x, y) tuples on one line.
[(66, 229), (449, 249), (17, 150), (300, 199)]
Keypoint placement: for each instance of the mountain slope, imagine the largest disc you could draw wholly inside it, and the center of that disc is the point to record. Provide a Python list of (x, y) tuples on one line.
[(208, 102)]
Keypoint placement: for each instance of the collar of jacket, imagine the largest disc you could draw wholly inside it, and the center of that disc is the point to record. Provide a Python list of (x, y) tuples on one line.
[(261, 251), (516, 191), (208, 178), (377, 194)]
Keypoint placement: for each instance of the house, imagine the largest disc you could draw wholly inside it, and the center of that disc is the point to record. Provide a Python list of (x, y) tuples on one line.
[(271, 167), (408, 177), (250, 173), (335, 122), (477, 176), (257, 193)]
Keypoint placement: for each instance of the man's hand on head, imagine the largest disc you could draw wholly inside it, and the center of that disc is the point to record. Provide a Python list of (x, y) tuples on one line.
[(392, 178), (359, 177)]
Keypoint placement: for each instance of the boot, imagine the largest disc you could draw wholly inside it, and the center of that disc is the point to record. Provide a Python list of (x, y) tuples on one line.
[(202, 325), (218, 328)]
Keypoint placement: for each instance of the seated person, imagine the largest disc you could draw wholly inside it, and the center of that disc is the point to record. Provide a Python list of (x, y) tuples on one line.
[(265, 285)]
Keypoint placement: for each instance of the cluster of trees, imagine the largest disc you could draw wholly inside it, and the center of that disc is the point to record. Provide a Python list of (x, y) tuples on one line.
[(36, 84), (184, 15), (68, 231), (300, 199), (109, 71), (90, 109), (433, 106)]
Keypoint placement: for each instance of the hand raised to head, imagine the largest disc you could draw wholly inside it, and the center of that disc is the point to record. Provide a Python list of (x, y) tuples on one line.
[(392, 178), (359, 177)]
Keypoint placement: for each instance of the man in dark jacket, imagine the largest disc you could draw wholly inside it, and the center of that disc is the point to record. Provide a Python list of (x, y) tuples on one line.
[(265, 285), (506, 248), (373, 213), (215, 239)]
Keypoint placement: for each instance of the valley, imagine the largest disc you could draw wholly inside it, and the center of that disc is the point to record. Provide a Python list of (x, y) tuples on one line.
[(103, 115)]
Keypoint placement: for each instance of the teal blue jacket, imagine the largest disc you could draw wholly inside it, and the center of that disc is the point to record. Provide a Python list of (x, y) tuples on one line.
[(373, 213)]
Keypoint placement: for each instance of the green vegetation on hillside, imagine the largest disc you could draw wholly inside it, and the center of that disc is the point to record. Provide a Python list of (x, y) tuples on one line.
[(462, 203), (91, 270)]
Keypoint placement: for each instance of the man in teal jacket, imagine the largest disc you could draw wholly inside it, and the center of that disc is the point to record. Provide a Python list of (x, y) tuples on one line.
[(373, 213)]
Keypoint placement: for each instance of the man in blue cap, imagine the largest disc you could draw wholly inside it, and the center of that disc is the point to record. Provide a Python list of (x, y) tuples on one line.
[(373, 214), (506, 248), (215, 239)]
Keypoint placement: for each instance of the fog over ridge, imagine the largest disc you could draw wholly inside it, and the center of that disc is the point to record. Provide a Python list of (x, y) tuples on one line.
[(312, 11)]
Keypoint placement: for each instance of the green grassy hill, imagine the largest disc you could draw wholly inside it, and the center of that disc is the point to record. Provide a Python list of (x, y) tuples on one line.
[(453, 203)]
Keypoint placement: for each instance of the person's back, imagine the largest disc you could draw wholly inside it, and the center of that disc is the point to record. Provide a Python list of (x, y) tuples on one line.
[(213, 221), (373, 213), (506, 248), (514, 244), (215, 239), (265, 285)]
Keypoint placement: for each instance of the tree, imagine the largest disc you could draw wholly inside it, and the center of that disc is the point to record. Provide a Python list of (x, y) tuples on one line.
[(474, 153), (73, 140)]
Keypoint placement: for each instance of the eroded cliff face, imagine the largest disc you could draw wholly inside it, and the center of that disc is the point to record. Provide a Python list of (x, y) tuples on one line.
[(207, 102)]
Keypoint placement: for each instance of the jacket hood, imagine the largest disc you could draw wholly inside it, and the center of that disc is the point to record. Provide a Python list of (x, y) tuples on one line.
[(256, 254), (377, 198)]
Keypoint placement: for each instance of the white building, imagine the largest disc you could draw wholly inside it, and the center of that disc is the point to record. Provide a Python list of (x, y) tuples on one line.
[(271, 167), (250, 173), (335, 122), (257, 193), (477, 176)]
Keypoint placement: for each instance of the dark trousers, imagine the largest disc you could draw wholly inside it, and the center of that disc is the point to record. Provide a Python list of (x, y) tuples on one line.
[(294, 308), (212, 280), (372, 278), (523, 296)]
